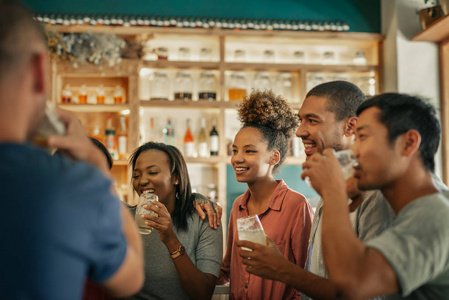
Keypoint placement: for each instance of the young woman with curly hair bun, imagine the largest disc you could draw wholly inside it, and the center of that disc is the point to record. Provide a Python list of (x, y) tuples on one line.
[(259, 149)]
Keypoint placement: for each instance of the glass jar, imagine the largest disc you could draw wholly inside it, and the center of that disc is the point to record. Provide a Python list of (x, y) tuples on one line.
[(268, 56), (284, 85), (262, 81), (82, 95), (66, 95), (183, 53), (237, 86), (240, 55), (162, 53), (367, 83), (206, 54), (298, 56), (159, 86), (183, 86), (329, 57), (207, 86), (359, 58)]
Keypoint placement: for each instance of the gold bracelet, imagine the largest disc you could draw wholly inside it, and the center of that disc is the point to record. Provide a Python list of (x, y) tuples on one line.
[(180, 251)]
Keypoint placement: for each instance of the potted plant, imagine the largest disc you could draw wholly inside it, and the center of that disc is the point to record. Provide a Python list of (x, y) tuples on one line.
[(430, 14)]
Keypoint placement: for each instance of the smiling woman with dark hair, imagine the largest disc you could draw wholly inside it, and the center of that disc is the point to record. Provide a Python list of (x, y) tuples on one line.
[(183, 254)]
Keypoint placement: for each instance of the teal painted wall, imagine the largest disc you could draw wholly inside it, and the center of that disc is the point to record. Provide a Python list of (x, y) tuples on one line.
[(361, 16), (291, 175)]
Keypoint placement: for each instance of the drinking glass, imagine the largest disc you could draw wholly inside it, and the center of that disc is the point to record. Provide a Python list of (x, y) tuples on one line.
[(250, 229), (144, 199), (50, 125), (347, 162)]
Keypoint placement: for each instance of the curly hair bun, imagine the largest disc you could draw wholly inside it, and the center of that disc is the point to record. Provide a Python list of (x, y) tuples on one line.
[(264, 108)]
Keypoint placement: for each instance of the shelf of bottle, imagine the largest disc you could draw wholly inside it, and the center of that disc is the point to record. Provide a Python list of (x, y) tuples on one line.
[(198, 104), (94, 107), (167, 64), (123, 69), (145, 30), (292, 67), (280, 67)]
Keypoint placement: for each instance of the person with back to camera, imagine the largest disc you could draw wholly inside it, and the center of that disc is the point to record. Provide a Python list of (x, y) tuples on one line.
[(183, 253), (63, 223), (259, 149)]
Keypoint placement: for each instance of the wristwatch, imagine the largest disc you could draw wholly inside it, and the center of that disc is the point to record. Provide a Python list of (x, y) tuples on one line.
[(180, 251)]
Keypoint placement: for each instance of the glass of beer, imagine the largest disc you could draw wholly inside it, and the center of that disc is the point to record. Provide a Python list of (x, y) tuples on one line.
[(250, 229), (144, 199)]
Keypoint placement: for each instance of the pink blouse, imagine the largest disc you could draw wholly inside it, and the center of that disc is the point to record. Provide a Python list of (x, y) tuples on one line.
[(287, 221)]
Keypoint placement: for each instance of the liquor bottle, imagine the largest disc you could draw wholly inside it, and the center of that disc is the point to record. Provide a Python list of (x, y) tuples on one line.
[(213, 140), (110, 140), (169, 133), (202, 140), (96, 133), (189, 144), (151, 133), (122, 139)]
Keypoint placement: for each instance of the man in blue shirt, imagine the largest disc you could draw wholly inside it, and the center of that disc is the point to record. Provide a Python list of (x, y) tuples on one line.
[(61, 223)]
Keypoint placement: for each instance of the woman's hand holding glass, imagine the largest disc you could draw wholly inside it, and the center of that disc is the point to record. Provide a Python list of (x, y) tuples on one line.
[(161, 222)]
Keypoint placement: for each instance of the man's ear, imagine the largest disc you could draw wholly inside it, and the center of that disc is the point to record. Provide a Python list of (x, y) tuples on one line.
[(39, 69), (350, 126), (275, 157), (411, 142)]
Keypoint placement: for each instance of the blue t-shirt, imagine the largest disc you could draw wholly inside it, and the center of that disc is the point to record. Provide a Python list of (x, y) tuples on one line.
[(59, 224)]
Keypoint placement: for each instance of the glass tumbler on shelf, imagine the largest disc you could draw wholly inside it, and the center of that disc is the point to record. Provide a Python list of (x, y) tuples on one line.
[(144, 199), (183, 86), (207, 86), (262, 81), (159, 86), (237, 87), (284, 85)]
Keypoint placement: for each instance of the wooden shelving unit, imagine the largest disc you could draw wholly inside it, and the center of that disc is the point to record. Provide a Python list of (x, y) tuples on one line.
[(127, 74), (438, 32)]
